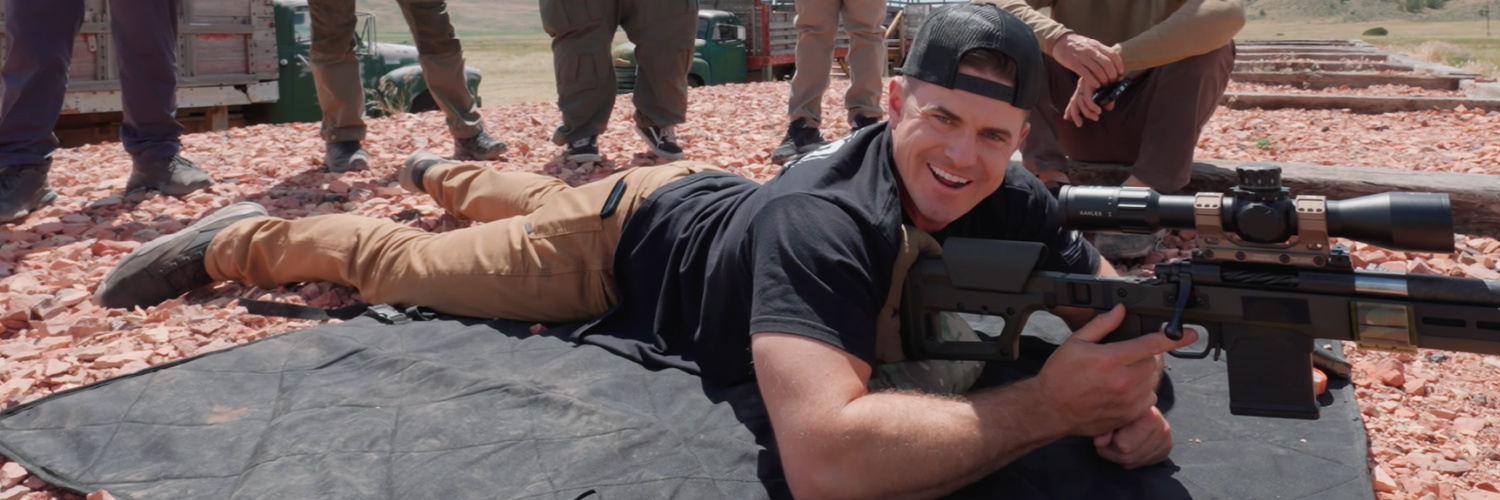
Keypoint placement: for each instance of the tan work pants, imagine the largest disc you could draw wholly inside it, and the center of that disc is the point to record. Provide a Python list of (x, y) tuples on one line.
[(336, 72), (817, 29), (544, 253), (582, 32), (1154, 126)]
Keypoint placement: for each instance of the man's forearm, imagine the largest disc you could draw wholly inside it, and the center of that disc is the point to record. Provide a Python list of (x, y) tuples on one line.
[(1047, 30), (902, 445), (1198, 27)]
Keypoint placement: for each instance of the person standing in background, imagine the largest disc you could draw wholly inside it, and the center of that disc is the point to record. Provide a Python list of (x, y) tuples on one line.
[(817, 27), (40, 36), (342, 98), (663, 31)]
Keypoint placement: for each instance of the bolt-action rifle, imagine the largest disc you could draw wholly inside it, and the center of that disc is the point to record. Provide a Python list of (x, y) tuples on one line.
[(1264, 282)]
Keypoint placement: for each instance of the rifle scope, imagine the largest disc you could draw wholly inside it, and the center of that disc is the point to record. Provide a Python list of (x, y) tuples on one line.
[(1259, 210)]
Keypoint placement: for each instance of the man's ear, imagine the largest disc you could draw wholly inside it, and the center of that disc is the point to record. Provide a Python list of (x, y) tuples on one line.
[(893, 101), (1025, 131)]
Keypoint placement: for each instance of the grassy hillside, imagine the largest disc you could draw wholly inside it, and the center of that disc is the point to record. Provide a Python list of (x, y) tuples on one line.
[(472, 18), (1365, 10)]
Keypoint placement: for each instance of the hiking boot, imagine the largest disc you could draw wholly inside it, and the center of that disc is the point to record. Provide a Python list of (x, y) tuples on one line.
[(1116, 247), (800, 138), (410, 175), (171, 265), (584, 150), (662, 140), (23, 188), (345, 156), (175, 176), (862, 121), (481, 147)]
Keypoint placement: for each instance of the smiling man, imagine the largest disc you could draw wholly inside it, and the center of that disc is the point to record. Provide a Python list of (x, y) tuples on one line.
[(788, 284)]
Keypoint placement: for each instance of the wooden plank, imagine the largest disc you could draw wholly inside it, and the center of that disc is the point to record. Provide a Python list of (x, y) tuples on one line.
[(1357, 104), (1318, 81), (1475, 198), (187, 98), (220, 54), (1277, 66), (1314, 56), (1329, 43), (217, 118), (1267, 49)]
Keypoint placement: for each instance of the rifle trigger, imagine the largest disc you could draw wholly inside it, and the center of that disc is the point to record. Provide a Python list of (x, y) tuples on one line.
[(1174, 327)]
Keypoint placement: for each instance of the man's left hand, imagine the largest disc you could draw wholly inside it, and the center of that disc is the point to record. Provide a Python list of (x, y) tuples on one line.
[(1082, 104), (1146, 441)]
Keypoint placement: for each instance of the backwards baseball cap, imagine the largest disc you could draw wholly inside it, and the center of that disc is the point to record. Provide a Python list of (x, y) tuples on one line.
[(950, 32)]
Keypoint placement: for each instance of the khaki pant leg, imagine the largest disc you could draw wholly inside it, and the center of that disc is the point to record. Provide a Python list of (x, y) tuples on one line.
[(663, 32), (442, 58), (582, 32), (862, 20), (552, 265), (817, 28), (481, 193), (335, 70)]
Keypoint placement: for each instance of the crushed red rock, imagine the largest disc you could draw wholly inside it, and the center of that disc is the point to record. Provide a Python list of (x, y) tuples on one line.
[(1430, 417)]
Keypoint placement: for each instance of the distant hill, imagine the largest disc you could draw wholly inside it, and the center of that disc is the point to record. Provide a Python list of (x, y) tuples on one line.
[(1364, 10), (472, 18)]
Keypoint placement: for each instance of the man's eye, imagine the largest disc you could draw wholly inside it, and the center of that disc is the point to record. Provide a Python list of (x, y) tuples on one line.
[(943, 119), (995, 138)]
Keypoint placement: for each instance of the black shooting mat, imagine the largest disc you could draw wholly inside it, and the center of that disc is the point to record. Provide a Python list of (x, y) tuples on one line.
[(470, 409)]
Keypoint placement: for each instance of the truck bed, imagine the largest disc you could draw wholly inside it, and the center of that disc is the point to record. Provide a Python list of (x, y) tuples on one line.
[(226, 56)]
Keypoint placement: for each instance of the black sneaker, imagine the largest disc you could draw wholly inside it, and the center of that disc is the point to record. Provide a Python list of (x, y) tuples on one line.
[(481, 147), (345, 156), (584, 150), (800, 138), (171, 265), (23, 188), (862, 121), (410, 175), (175, 176), (662, 140)]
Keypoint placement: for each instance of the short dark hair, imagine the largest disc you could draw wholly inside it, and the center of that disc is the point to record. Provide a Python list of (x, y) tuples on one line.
[(992, 63)]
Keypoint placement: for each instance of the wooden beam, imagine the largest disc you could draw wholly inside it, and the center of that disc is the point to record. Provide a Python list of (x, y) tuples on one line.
[(1313, 56), (217, 118), (1276, 66), (1475, 198), (1321, 80), (1358, 104)]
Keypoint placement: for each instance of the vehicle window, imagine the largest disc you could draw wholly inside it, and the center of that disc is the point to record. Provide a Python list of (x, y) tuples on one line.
[(702, 29), (300, 27)]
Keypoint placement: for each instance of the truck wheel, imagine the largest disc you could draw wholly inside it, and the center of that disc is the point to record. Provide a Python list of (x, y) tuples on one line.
[(422, 102), (695, 81)]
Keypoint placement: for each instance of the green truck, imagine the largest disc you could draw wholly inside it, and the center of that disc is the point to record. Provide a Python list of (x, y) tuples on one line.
[(240, 62)]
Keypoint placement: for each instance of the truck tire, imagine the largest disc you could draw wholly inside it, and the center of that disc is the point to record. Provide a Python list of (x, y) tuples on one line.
[(695, 81), (422, 102)]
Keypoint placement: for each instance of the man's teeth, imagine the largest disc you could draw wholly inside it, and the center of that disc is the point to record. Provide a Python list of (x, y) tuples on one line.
[(947, 176)]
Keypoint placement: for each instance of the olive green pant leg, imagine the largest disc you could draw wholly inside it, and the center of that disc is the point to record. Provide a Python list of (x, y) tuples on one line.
[(581, 32), (664, 32), (817, 24), (335, 70), (442, 58)]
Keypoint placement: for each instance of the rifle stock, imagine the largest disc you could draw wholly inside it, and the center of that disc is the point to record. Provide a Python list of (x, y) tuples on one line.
[(1265, 318)]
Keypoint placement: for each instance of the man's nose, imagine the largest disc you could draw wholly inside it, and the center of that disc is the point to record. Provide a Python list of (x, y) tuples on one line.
[(962, 150)]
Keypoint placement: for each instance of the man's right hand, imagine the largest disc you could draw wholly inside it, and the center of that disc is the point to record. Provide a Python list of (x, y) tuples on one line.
[(1089, 59), (1097, 388)]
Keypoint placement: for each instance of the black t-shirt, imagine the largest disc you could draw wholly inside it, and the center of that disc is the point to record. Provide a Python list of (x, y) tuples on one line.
[(712, 258)]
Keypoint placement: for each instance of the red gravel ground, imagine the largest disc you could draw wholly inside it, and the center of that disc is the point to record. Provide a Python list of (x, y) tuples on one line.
[(1432, 425)]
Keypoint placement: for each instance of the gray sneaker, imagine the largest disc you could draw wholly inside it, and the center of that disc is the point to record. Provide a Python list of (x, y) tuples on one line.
[(410, 175), (175, 176), (345, 156), (1115, 246), (23, 188), (481, 147), (171, 265)]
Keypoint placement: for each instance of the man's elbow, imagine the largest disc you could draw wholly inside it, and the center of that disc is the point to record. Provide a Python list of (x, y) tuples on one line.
[(1230, 14), (820, 474)]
